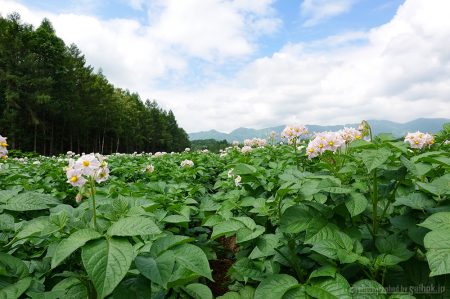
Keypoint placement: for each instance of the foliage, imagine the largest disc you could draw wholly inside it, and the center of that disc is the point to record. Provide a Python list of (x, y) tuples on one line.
[(51, 101)]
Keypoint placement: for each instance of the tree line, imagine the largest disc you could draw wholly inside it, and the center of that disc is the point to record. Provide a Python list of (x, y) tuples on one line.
[(51, 101)]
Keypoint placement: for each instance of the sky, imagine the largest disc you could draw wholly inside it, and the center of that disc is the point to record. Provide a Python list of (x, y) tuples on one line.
[(224, 64)]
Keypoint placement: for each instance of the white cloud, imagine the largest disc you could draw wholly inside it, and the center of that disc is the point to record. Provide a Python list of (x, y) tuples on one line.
[(317, 11), (397, 71)]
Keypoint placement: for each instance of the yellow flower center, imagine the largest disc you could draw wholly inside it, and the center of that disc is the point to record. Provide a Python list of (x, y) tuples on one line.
[(357, 137), (74, 179), (4, 144), (420, 135), (85, 163), (311, 150), (417, 142), (321, 145), (331, 143), (4, 157)]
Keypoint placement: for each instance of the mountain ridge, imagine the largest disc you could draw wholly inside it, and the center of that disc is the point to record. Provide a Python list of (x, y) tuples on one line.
[(431, 125)]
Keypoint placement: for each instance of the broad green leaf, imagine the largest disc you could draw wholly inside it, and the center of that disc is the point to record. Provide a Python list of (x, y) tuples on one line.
[(6, 222), (300, 218), (437, 221), (72, 288), (7, 194), (242, 169), (337, 288), (417, 201), (15, 267), (368, 289), (248, 269), (135, 287), (29, 201), (297, 292), (198, 291), (167, 242), (15, 290), (157, 270), (246, 234), (275, 286), (67, 246), (193, 258), (133, 226), (356, 204), (375, 158), (32, 227), (438, 186), (265, 246), (325, 271), (437, 243), (226, 227), (106, 262)]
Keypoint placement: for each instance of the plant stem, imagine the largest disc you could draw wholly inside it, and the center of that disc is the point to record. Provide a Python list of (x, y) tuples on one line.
[(92, 185), (375, 203)]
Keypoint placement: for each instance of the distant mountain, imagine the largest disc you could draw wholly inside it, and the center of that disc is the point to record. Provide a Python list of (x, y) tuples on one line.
[(430, 125)]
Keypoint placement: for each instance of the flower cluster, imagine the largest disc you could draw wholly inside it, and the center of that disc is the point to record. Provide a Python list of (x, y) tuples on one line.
[(187, 164), (324, 141), (235, 143), (350, 134), (149, 168), (87, 167), (3, 148), (293, 132), (256, 142), (237, 178), (419, 140), (246, 149)]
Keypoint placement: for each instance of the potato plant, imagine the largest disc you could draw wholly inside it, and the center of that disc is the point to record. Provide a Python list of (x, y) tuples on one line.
[(371, 220)]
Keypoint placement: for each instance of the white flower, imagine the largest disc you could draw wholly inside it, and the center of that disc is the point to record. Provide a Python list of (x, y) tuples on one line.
[(205, 151), (36, 163), (237, 180), (235, 143), (324, 141), (246, 149), (293, 132), (187, 164), (187, 149), (75, 177), (230, 173), (150, 168), (3, 148), (102, 174), (89, 164)]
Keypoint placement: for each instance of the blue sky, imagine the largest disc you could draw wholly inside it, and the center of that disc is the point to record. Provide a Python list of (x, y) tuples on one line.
[(223, 64)]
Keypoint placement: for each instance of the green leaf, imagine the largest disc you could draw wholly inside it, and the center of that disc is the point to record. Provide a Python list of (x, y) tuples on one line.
[(300, 218), (167, 242), (375, 158), (438, 186), (242, 169), (29, 201), (275, 286), (325, 271), (157, 270), (337, 288), (198, 291), (135, 287), (368, 289), (437, 221), (417, 201), (134, 226), (14, 291), (15, 267), (297, 292), (226, 227), (356, 204), (246, 234), (32, 227), (106, 262), (437, 243), (67, 246), (194, 259), (72, 288)]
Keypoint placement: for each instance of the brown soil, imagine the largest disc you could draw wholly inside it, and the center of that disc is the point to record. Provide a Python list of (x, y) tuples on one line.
[(220, 275)]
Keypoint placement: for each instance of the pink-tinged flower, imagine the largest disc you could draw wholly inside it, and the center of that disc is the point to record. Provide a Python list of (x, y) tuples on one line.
[(350, 134), (419, 140), (88, 164), (324, 141), (246, 149), (75, 177), (293, 132), (235, 143)]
